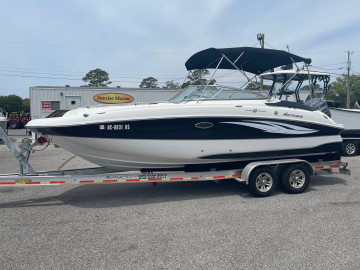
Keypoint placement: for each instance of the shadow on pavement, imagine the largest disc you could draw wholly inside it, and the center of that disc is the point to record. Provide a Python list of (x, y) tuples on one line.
[(120, 195)]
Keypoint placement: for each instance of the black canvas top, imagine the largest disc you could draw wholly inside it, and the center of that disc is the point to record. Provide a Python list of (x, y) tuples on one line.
[(254, 60)]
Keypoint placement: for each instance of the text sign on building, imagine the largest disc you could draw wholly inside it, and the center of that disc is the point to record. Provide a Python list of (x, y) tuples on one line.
[(46, 105), (112, 98)]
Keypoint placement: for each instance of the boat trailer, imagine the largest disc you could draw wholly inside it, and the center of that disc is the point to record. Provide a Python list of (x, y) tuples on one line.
[(261, 176)]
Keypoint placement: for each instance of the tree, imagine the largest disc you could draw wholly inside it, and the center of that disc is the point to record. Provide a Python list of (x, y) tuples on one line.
[(149, 82), (26, 105), (11, 103), (97, 78), (256, 86), (338, 89), (307, 87), (197, 78), (171, 85)]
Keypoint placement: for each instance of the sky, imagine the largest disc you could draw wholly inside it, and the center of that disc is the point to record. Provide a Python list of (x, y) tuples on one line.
[(55, 43)]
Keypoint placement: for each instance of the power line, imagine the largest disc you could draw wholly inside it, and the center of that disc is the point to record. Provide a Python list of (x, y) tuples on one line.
[(40, 77), (87, 48), (333, 64), (76, 73), (72, 79), (321, 52), (34, 72)]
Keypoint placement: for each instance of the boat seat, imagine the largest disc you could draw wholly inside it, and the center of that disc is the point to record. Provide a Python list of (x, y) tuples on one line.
[(291, 104)]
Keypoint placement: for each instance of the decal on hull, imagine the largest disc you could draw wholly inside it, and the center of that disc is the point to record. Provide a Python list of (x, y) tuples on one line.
[(274, 127)]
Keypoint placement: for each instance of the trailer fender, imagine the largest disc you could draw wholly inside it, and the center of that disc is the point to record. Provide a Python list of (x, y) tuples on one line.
[(251, 166)]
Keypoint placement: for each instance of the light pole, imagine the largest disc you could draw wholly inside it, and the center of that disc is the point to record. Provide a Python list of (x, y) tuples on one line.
[(348, 82), (261, 38)]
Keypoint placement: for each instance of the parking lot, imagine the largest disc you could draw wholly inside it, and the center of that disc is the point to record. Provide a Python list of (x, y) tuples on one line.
[(192, 225)]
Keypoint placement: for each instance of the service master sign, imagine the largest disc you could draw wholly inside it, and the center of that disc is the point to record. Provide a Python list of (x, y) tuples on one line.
[(112, 98)]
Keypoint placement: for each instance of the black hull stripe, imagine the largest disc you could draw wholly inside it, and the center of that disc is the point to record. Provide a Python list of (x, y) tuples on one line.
[(350, 133), (190, 129)]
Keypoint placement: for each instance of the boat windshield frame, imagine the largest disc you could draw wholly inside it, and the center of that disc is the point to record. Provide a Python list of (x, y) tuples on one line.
[(216, 92), (285, 79)]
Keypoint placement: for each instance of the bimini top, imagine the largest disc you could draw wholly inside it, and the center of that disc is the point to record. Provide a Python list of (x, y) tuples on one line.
[(254, 60)]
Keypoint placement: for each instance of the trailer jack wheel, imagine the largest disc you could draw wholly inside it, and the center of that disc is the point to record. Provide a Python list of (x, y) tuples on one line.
[(295, 179), (262, 181)]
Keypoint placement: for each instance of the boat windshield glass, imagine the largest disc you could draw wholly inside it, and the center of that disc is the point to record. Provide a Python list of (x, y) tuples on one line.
[(212, 92), (288, 92)]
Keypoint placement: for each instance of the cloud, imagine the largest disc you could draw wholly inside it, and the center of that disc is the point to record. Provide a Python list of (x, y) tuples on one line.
[(155, 38)]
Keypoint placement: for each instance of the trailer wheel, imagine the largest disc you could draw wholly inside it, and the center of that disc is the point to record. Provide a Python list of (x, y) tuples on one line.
[(295, 179), (262, 181), (14, 124), (350, 148)]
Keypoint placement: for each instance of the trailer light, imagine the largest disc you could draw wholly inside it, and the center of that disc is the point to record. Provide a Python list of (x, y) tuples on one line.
[(41, 140)]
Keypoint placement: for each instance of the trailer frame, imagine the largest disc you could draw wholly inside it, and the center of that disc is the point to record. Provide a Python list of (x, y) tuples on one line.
[(260, 176)]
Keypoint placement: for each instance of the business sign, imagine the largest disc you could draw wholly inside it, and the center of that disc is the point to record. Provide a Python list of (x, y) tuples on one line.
[(46, 105), (113, 98)]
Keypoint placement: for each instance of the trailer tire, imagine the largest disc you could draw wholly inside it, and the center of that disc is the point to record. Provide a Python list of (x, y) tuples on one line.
[(262, 181), (13, 124), (295, 179), (350, 148)]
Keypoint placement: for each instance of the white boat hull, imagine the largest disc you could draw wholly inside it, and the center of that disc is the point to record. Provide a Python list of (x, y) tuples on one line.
[(178, 135), (138, 154)]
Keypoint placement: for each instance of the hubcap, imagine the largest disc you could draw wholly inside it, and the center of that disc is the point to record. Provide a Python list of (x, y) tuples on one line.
[(297, 179), (350, 148), (264, 182)]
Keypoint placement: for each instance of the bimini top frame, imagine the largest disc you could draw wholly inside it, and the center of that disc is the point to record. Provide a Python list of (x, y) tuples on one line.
[(243, 59), (247, 59)]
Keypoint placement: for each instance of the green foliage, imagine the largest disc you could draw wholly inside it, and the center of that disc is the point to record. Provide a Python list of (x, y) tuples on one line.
[(307, 87), (256, 86), (97, 78), (171, 85), (12, 103), (149, 82), (197, 78), (26, 105), (338, 89)]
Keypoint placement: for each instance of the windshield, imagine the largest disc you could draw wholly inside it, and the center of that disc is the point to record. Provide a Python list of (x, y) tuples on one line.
[(196, 92)]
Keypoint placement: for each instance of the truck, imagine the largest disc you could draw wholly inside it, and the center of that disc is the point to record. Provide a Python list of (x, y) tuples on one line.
[(18, 119)]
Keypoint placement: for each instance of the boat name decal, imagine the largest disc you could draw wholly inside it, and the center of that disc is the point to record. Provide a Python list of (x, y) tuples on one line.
[(153, 176), (275, 127), (293, 115), (114, 127), (139, 176), (113, 98)]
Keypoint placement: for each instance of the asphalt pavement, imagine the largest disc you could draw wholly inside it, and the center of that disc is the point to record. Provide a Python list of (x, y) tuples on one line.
[(192, 225)]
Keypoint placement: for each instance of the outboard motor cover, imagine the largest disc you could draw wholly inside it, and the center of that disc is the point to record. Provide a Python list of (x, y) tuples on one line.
[(318, 102)]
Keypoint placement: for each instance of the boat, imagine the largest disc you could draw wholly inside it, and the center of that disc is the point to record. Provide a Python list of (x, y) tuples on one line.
[(202, 127), (350, 118), (3, 121)]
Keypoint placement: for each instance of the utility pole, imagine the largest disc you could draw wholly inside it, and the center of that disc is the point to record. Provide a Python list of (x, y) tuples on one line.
[(261, 38), (348, 82)]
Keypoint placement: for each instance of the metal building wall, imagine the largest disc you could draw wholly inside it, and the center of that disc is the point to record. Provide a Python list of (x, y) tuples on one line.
[(84, 96)]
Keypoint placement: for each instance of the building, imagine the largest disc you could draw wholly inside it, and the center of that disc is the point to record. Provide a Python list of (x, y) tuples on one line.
[(46, 99)]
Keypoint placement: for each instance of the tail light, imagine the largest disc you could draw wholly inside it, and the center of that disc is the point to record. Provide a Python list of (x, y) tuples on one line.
[(41, 140)]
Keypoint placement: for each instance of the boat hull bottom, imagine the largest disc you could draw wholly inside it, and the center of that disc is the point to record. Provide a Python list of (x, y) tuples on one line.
[(161, 155)]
